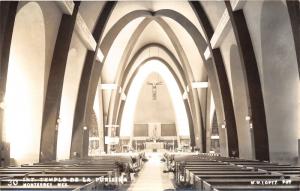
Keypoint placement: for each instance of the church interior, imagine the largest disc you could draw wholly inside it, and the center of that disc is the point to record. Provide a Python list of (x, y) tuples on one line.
[(150, 95)]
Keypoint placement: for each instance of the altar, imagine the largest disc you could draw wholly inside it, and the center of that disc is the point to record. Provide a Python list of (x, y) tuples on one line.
[(154, 145)]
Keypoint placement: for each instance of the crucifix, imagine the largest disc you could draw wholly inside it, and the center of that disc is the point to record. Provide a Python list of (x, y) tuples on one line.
[(154, 88)]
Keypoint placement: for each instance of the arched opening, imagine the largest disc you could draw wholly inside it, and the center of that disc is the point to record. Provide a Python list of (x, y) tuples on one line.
[(240, 104), (214, 137), (150, 67), (25, 85)]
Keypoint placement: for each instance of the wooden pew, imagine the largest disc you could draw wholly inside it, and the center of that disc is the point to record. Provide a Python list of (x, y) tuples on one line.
[(91, 175), (237, 174)]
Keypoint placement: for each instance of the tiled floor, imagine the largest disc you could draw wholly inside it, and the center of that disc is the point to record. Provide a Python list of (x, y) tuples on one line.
[(151, 177)]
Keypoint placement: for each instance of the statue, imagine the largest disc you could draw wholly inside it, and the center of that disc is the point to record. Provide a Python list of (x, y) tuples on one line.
[(154, 88)]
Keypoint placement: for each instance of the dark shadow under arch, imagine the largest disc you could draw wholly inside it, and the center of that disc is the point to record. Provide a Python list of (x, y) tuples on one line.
[(294, 13), (8, 11)]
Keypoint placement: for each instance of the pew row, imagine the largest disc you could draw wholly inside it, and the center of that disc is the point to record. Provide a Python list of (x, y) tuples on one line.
[(99, 173), (214, 172)]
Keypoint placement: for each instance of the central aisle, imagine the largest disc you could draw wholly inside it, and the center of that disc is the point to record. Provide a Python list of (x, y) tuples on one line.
[(151, 177)]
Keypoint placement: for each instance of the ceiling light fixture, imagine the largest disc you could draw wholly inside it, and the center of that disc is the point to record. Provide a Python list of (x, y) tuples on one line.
[(199, 85), (214, 137), (108, 86), (247, 118), (185, 96), (123, 96), (223, 125)]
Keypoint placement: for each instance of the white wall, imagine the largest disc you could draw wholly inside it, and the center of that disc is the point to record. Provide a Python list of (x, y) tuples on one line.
[(25, 84), (149, 110)]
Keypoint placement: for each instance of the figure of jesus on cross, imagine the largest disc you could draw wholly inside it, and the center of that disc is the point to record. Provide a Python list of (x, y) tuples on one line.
[(154, 88)]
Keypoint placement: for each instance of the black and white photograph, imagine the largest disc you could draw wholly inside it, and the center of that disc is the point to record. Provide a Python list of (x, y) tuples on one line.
[(150, 95)]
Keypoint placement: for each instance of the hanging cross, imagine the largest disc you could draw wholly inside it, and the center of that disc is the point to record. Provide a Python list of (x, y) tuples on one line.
[(154, 88)]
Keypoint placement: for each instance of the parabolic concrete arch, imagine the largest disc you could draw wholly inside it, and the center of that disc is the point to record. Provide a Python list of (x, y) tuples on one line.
[(123, 61), (54, 145), (126, 72), (128, 75), (176, 96), (88, 84), (255, 101), (211, 70), (181, 87), (226, 113), (212, 74), (176, 43), (113, 32)]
